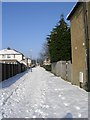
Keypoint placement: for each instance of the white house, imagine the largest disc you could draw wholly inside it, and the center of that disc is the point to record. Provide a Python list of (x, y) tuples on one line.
[(26, 61), (46, 61), (29, 62), (10, 55)]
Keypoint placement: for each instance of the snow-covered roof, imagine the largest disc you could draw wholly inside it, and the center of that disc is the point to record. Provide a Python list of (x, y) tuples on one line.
[(9, 52)]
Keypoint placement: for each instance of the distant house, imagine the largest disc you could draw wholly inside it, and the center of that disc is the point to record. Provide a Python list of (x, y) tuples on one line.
[(46, 61), (80, 40), (24, 61), (10, 56), (29, 61)]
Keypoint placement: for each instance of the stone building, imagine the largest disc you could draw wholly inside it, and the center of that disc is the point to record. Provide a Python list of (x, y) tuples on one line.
[(80, 40)]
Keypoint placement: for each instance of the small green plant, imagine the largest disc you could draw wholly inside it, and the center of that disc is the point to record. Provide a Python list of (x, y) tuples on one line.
[(47, 67)]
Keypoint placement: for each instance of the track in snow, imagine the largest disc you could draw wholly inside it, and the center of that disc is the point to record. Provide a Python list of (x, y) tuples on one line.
[(40, 94)]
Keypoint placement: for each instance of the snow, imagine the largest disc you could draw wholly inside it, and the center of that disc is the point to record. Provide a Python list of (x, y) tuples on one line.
[(40, 94), (6, 52)]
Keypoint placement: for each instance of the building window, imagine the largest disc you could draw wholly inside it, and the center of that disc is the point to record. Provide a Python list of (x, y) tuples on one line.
[(14, 56), (3, 56), (8, 56)]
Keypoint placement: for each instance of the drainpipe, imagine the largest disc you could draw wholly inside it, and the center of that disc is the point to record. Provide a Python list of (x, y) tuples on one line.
[(87, 43)]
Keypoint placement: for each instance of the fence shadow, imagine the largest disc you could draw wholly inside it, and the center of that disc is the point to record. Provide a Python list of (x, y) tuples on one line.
[(8, 82)]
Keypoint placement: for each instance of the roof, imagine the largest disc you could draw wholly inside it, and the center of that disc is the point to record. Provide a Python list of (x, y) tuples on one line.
[(9, 52), (73, 10), (28, 58)]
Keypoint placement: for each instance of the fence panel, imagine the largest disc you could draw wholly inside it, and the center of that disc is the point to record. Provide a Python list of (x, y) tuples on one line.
[(58, 69), (63, 75), (63, 69), (54, 67), (69, 71), (0, 72), (9, 70)]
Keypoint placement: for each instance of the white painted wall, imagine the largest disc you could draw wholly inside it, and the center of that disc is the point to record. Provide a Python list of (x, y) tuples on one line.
[(16, 57)]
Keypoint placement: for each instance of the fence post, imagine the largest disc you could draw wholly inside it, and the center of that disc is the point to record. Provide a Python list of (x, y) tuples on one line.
[(9, 74), (0, 72), (66, 70), (3, 72), (12, 69), (16, 69)]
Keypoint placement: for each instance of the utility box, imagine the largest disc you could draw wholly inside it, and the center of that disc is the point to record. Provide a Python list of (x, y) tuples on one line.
[(81, 77)]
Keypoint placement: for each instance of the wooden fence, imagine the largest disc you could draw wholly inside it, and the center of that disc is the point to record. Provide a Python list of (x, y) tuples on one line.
[(9, 70)]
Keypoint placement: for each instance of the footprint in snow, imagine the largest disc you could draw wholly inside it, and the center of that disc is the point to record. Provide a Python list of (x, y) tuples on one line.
[(59, 95), (78, 108), (34, 116), (63, 98), (54, 113), (42, 101), (38, 111), (45, 106), (56, 89), (66, 104), (35, 105), (59, 89), (27, 111), (79, 115), (26, 117)]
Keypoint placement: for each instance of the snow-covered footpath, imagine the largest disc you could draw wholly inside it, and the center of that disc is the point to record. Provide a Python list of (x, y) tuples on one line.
[(40, 94)]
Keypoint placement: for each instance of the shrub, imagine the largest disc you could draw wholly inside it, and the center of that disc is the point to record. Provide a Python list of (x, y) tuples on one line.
[(47, 67)]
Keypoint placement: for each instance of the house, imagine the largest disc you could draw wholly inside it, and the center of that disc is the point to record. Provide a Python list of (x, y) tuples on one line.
[(46, 61), (24, 61), (10, 56), (29, 61), (80, 41), (11, 63)]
